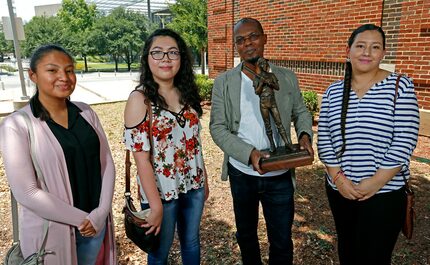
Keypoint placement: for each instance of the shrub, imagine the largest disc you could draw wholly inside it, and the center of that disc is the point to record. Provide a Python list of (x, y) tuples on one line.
[(205, 86), (97, 59), (8, 68), (310, 98), (79, 66)]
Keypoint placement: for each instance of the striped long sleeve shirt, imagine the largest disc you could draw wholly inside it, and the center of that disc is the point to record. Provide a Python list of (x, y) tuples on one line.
[(379, 132)]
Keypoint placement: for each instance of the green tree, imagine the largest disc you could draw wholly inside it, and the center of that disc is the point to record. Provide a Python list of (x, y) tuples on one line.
[(120, 34), (78, 18), (42, 30), (190, 20), (6, 46)]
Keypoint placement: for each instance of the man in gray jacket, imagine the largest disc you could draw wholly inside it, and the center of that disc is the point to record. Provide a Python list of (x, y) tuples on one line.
[(238, 129)]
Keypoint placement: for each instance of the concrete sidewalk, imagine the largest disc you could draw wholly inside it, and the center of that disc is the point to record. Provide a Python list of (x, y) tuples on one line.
[(91, 88)]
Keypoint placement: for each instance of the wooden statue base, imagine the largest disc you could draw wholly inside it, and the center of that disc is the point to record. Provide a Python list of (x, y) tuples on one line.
[(284, 158)]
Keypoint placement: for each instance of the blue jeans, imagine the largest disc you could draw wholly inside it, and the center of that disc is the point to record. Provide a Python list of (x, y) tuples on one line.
[(184, 213), (276, 195), (88, 248)]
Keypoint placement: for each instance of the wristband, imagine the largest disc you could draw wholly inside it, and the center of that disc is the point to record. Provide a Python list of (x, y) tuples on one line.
[(337, 176)]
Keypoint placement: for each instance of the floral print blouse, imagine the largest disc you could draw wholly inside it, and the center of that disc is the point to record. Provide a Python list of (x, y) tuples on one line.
[(178, 158)]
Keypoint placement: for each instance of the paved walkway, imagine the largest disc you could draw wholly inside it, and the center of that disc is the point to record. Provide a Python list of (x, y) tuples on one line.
[(91, 88)]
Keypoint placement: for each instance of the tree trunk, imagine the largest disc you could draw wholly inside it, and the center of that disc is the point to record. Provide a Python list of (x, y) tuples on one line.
[(115, 58), (86, 65), (129, 60), (202, 60)]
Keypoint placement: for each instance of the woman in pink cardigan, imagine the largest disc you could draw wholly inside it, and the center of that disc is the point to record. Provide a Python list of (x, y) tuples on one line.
[(75, 160)]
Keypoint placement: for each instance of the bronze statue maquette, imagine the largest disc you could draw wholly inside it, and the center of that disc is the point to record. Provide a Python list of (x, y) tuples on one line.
[(265, 83)]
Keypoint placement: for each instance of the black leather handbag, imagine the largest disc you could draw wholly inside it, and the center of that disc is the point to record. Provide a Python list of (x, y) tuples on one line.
[(134, 219), (133, 229)]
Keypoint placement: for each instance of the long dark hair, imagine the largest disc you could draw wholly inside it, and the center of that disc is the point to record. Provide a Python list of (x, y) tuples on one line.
[(348, 78), (184, 79), (40, 52)]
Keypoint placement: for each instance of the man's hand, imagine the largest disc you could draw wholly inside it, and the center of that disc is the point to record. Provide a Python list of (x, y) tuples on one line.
[(255, 157), (305, 143)]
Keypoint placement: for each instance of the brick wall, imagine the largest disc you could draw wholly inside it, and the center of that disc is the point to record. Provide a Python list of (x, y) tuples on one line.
[(310, 36)]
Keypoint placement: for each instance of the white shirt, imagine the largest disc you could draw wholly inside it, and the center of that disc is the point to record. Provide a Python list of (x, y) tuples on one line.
[(251, 127)]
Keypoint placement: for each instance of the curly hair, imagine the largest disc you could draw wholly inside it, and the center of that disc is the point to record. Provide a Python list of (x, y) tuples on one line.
[(348, 78), (184, 80)]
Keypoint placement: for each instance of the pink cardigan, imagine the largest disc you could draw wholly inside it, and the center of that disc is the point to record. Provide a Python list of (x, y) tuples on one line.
[(57, 204)]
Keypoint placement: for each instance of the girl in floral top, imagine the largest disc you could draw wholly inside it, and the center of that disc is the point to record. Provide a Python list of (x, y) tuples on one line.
[(174, 185)]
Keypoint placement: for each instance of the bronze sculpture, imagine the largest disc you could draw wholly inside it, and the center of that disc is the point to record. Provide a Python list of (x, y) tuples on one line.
[(265, 83)]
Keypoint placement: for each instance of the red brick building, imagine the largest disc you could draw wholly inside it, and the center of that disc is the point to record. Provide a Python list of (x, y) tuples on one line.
[(310, 37)]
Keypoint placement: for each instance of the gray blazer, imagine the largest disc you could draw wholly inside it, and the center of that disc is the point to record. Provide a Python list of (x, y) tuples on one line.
[(225, 112)]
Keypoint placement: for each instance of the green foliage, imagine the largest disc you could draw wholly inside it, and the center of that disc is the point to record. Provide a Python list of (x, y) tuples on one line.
[(84, 32), (77, 15), (42, 30), (79, 66), (104, 67), (121, 33), (98, 59), (190, 19), (205, 86), (310, 99), (8, 68), (78, 18), (6, 46)]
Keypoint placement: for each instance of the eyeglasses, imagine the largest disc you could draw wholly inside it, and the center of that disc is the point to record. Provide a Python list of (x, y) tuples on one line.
[(252, 37), (159, 55)]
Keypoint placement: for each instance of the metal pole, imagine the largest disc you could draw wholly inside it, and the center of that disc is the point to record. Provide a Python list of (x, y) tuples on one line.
[(149, 11), (17, 50)]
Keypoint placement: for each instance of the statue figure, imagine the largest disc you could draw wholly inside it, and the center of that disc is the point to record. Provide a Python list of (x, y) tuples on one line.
[(264, 84)]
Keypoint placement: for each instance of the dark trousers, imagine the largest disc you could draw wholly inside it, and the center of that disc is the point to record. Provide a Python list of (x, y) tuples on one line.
[(367, 231), (276, 197)]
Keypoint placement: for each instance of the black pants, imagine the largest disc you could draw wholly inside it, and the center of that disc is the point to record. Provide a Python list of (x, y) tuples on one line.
[(367, 231), (276, 195)]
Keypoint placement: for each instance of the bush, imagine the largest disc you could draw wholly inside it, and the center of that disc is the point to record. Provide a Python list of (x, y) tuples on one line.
[(97, 59), (205, 86), (8, 68), (79, 66), (310, 98)]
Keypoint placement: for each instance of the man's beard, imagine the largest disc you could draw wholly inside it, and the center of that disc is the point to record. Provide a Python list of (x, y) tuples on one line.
[(252, 60)]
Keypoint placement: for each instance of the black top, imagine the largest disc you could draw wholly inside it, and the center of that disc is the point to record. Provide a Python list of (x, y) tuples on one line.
[(81, 148)]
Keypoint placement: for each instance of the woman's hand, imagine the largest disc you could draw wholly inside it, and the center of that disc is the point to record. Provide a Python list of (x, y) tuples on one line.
[(153, 221), (368, 187), (347, 189), (86, 229)]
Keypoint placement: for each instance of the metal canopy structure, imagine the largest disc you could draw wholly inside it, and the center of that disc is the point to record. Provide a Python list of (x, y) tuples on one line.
[(141, 6)]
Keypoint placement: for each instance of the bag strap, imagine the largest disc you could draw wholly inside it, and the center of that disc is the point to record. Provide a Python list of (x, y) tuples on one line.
[(397, 90), (395, 99), (127, 152), (39, 176)]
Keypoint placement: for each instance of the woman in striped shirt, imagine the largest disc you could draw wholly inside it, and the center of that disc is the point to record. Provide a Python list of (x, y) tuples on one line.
[(366, 136)]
